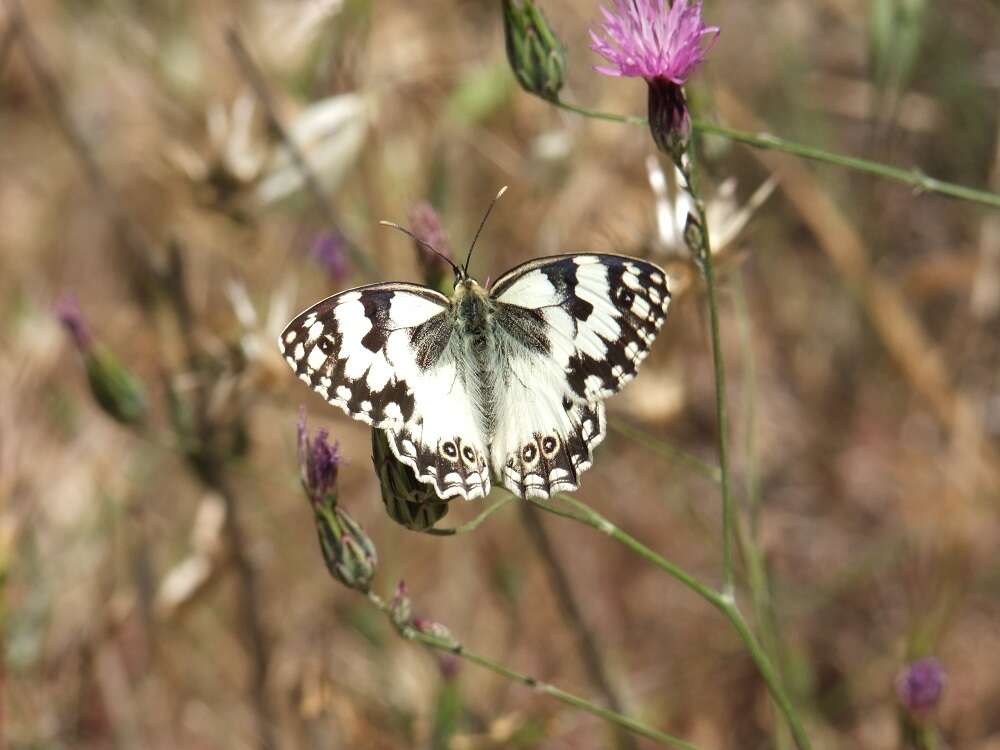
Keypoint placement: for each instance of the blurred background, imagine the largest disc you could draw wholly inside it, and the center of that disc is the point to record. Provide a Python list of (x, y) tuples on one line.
[(162, 583)]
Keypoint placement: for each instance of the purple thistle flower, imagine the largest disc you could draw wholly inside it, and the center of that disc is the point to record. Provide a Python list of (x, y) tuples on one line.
[(920, 685), (646, 39), (663, 45), (329, 249), (318, 462), (67, 311)]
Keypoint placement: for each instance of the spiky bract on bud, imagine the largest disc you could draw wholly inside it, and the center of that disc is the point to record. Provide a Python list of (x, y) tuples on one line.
[(536, 55), (408, 502)]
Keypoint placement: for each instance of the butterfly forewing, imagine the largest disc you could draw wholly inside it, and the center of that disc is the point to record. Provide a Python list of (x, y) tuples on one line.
[(584, 323), (384, 354), (602, 311)]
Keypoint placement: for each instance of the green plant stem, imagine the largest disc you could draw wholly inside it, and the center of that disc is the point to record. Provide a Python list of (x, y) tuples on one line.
[(475, 522), (912, 177), (449, 645), (725, 604), (704, 252)]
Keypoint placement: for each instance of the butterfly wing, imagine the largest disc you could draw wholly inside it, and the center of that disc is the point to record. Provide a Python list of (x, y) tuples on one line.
[(383, 354), (575, 329)]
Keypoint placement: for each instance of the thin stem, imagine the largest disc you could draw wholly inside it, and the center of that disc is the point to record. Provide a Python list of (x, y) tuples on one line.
[(449, 645), (912, 177), (704, 250), (724, 604), (475, 522), (586, 641)]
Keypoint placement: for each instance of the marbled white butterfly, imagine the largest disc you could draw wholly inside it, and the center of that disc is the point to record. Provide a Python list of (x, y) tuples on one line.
[(510, 378)]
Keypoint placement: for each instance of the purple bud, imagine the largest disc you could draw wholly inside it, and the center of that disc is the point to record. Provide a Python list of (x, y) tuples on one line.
[(318, 462), (426, 225), (920, 684), (67, 311), (329, 249)]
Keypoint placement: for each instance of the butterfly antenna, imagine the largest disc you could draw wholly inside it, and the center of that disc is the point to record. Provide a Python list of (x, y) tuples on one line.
[(459, 273), (481, 225)]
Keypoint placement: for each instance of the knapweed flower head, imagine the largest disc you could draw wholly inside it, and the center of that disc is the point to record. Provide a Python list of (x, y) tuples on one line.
[(920, 684), (318, 464), (348, 552), (662, 44), (645, 38)]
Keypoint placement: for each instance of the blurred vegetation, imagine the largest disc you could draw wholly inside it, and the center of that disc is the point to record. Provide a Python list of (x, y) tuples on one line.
[(162, 583)]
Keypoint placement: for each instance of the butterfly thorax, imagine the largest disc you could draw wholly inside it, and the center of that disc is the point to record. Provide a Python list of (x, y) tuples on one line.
[(478, 355)]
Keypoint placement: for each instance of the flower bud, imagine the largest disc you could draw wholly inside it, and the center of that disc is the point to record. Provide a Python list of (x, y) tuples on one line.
[(536, 55), (349, 554), (408, 502), (426, 225), (400, 609), (318, 464), (117, 391), (694, 236), (920, 685)]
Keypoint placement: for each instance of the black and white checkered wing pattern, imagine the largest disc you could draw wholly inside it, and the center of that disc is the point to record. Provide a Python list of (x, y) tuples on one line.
[(576, 328), (383, 353)]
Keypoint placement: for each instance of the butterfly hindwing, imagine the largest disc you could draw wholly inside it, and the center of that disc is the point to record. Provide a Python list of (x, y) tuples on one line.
[(602, 314), (384, 354), (539, 450)]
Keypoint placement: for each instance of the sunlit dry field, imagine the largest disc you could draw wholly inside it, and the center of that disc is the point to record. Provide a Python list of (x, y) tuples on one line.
[(163, 586)]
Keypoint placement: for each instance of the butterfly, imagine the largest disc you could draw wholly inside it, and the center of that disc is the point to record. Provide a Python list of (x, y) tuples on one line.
[(510, 379)]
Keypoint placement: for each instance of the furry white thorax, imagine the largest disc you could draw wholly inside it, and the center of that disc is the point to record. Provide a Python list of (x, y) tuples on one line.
[(477, 352)]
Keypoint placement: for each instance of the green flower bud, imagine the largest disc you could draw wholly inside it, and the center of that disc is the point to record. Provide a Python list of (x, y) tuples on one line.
[(400, 609), (117, 391), (408, 502), (536, 55), (349, 554)]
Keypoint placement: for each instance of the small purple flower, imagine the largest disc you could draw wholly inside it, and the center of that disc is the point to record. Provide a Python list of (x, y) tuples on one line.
[(663, 45), (329, 249), (318, 462), (920, 684), (67, 311)]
